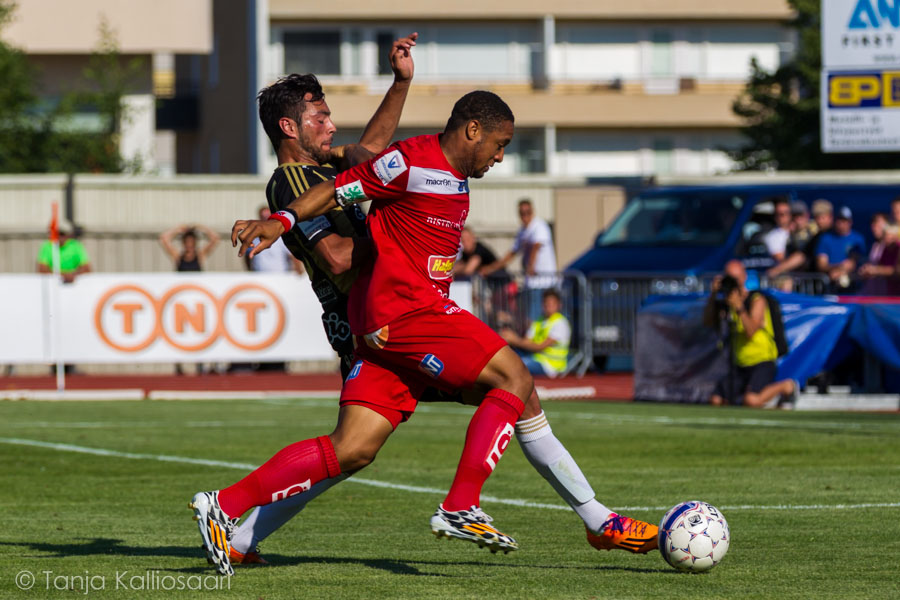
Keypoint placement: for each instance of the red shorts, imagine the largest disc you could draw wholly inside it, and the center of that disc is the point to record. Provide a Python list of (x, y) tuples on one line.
[(441, 346)]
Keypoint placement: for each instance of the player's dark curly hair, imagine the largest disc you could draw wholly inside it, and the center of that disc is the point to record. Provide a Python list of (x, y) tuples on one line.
[(485, 107), (285, 98)]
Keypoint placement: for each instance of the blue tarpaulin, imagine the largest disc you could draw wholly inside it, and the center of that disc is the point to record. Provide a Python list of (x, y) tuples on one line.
[(678, 359)]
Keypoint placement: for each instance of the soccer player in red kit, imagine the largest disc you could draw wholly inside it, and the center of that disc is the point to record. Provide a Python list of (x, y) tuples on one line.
[(409, 334)]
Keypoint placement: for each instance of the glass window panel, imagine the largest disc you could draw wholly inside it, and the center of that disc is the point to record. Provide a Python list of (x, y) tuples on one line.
[(316, 52)]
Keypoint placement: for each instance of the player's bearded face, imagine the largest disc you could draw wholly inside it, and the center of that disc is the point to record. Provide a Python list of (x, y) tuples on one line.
[(317, 131), (489, 149)]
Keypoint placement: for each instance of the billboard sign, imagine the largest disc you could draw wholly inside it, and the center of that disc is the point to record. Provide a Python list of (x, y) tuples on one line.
[(860, 94)]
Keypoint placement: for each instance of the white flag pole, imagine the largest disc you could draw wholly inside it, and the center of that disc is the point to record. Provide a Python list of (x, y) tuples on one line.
[(54, 301)]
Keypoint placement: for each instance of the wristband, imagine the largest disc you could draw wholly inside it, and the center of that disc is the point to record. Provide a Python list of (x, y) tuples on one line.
[(287, 218)]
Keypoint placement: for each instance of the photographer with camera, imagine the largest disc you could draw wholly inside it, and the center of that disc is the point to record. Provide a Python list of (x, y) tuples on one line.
[(753, 343)]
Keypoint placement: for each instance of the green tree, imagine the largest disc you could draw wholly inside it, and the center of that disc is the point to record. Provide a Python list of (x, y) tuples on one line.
[(78, 132), (781, 110), (17, 100)]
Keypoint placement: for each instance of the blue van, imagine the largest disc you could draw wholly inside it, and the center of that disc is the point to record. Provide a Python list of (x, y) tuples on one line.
[(666, 238), (697, 229)]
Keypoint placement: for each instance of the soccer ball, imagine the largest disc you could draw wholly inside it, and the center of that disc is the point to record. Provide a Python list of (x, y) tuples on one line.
[(693, 536)]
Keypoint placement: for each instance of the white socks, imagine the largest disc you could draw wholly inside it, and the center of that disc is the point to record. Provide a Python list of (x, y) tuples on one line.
[(553, 461), (264, 520), (541, 448)]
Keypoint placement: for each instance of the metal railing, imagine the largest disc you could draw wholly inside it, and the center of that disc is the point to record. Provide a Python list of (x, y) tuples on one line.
[(510, 301), (615, 299), (602, 308)]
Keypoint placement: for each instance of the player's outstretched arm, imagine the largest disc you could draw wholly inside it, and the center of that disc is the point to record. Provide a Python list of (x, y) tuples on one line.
[(381, 128), (314, 202)]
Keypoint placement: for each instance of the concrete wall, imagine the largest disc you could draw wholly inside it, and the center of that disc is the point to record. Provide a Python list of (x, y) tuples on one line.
[(580, 213), (122, 216), (475, 9), (72, 27)]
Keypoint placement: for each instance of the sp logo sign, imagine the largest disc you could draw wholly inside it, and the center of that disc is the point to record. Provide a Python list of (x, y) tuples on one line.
[(189, 317)]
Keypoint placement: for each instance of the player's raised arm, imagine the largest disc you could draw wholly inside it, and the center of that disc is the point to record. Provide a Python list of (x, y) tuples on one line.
[(316, 201), (382, 126)]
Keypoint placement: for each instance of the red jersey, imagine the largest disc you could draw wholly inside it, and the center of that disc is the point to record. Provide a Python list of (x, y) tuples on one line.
[(419, 207)]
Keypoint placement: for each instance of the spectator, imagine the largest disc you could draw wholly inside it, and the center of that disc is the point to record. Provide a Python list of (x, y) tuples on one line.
[(880, 272), (840, 250), (545, 348), (189, 258), (475, 258), (277, 258), (777, 238), (895, 212), (535, 243), (802, 228), (803, 258), (73, 258), (751, 377)]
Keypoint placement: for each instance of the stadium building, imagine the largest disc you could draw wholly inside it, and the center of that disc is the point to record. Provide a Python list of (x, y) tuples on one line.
[(599, 89)]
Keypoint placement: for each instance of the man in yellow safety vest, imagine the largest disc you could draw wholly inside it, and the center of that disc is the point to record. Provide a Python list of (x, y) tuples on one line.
[(545, 348)]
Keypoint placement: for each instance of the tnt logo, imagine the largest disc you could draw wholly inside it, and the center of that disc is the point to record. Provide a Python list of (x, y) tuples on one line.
[(440, 267), (189, 317), (874, 14), (864, 90), (500, 445), (354, 372), (293, 490), (431, 365)]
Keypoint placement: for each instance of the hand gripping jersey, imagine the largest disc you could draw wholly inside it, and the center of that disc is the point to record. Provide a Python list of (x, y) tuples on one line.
[(419, 207), (288, 182)]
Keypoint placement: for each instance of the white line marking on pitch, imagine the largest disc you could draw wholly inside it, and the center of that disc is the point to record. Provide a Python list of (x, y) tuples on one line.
[(410, 488)]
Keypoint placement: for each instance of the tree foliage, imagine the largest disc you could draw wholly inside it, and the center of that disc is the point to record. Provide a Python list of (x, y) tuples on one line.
[(40, 135), (781, 109)]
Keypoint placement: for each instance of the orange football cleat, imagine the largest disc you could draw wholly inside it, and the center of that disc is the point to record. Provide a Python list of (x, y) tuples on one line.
[(249, 558), (624, 533)]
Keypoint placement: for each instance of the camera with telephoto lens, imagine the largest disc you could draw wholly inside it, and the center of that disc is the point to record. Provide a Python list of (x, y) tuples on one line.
[(727, 286)]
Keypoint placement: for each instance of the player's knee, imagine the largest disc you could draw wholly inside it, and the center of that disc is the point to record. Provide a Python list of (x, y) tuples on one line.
[(507, 372), (532, 406), (353, 457)]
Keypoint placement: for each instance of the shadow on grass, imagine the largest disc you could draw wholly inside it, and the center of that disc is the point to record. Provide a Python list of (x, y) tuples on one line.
[(109, 546)]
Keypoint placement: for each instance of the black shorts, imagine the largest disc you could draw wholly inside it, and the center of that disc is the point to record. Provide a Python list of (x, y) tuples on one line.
[(746, 379)]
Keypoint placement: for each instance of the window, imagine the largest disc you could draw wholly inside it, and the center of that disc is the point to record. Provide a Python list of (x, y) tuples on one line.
[(661, 64), (316, 52), (688, 219), (384, 40)]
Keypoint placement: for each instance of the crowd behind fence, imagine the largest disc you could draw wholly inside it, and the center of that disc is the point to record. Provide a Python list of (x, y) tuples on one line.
[(602, 307)]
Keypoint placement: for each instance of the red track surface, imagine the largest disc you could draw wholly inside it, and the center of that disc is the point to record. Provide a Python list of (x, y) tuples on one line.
[(615, 386)]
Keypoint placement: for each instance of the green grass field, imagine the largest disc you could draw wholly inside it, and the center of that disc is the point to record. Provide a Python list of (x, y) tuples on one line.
[(812, 501)]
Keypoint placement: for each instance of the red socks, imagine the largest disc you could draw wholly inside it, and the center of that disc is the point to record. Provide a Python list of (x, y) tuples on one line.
[(489, 433), (294, 469)]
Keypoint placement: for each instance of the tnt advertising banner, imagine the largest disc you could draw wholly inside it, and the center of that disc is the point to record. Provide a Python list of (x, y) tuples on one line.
[(860, 76), (167, 317)]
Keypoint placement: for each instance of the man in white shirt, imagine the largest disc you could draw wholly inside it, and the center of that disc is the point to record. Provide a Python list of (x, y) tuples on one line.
[(776, 240), (535, 243), (277, 258)]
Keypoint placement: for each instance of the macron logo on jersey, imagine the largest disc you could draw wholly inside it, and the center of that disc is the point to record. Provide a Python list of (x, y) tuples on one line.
[(435, 181), (389, 167)]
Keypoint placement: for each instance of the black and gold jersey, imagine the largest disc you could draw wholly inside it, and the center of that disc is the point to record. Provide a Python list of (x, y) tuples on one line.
[(288, 182)]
